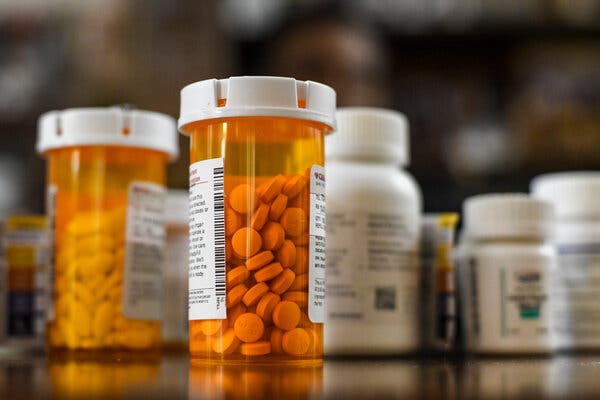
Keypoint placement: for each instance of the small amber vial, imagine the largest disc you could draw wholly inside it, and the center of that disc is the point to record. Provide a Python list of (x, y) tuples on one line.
[(257, 218), (105, 203)]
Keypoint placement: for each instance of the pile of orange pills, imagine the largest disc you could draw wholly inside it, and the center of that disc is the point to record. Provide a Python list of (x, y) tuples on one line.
[(266, 227)]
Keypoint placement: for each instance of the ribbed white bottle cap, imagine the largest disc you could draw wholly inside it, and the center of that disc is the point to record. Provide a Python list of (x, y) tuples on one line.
[(574, 194), (177, 207), (492, 216), (257, 96), (369, 132), (110, 126)]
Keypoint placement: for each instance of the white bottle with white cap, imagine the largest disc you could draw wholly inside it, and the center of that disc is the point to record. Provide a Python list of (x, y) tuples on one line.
[(373, 231), (505, 268), (576, 199)]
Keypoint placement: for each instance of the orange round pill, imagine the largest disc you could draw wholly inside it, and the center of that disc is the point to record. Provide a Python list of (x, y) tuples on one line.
[(227, 343), (300, 283), (265, 306), (301, 240), (316, 344), (273, 236), (254, 294), (283, 281), (278, 206), (243, 199), (286, 255), (271, 189), (260, 217), (255, 349), (301, 265), (301, 200), (295, 342), (294, 185), (246, 242), (259, 260), (298, 297), (276, 336), (234, 313), (233, 221), (211, 326), (237, 275), (249, 327), (200, 345), (286, 315), (196, 329), (269, 272), (293, 221), (235, 295), (305, 322), (228, 250)]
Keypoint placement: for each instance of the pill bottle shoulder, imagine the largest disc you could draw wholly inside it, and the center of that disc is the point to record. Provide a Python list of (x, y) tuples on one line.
[(355, 181), (506, 248), (572, 231)]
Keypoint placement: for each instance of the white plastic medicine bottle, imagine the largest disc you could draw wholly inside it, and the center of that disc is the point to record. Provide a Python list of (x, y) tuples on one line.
[(505, 267), (575, 196), (373, 232)]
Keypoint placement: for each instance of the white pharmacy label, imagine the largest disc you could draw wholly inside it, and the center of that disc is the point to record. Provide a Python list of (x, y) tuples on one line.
[(576, 292), (144, 251), (207, 241), (372, 268), (316, 252)]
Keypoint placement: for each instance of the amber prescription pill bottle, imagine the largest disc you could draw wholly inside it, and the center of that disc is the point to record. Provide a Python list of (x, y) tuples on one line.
[(374, 226), (105, 201), (257, 218)]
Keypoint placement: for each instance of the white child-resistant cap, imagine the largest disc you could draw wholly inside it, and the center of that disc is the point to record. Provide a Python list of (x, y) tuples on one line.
[(574, 194), (370, 132), (507, 215), (257, 96), (177, 207), (110, 126)]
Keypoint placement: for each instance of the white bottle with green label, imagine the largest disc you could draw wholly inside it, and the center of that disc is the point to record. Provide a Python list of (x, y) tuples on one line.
[(506, 266), (576, 309), (373, 232)]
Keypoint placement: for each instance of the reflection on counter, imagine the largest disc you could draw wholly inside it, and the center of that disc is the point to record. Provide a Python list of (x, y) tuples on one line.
[(172, 377), (369, 379), (575, 377), (506, 379), (255, 382), (71, 377)]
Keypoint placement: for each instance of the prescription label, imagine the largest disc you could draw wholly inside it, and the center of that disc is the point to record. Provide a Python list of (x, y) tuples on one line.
[(576, 286), (207, 241), (51, 191), (506, 298), (144, 251), (524, 296), (316, 250), (372, 268)]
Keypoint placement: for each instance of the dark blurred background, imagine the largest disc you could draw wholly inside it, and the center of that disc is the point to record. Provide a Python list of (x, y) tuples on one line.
[(496, 91)]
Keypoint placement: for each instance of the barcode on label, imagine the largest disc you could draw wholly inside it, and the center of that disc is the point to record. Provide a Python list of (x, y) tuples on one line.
[(206, 269), (219, 223)]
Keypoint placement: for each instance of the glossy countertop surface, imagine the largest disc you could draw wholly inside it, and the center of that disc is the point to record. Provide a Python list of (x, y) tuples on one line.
[(172, 376)]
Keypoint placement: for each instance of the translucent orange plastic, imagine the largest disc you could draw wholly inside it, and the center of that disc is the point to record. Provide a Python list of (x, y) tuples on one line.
[(267, 166), (91, 184)]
